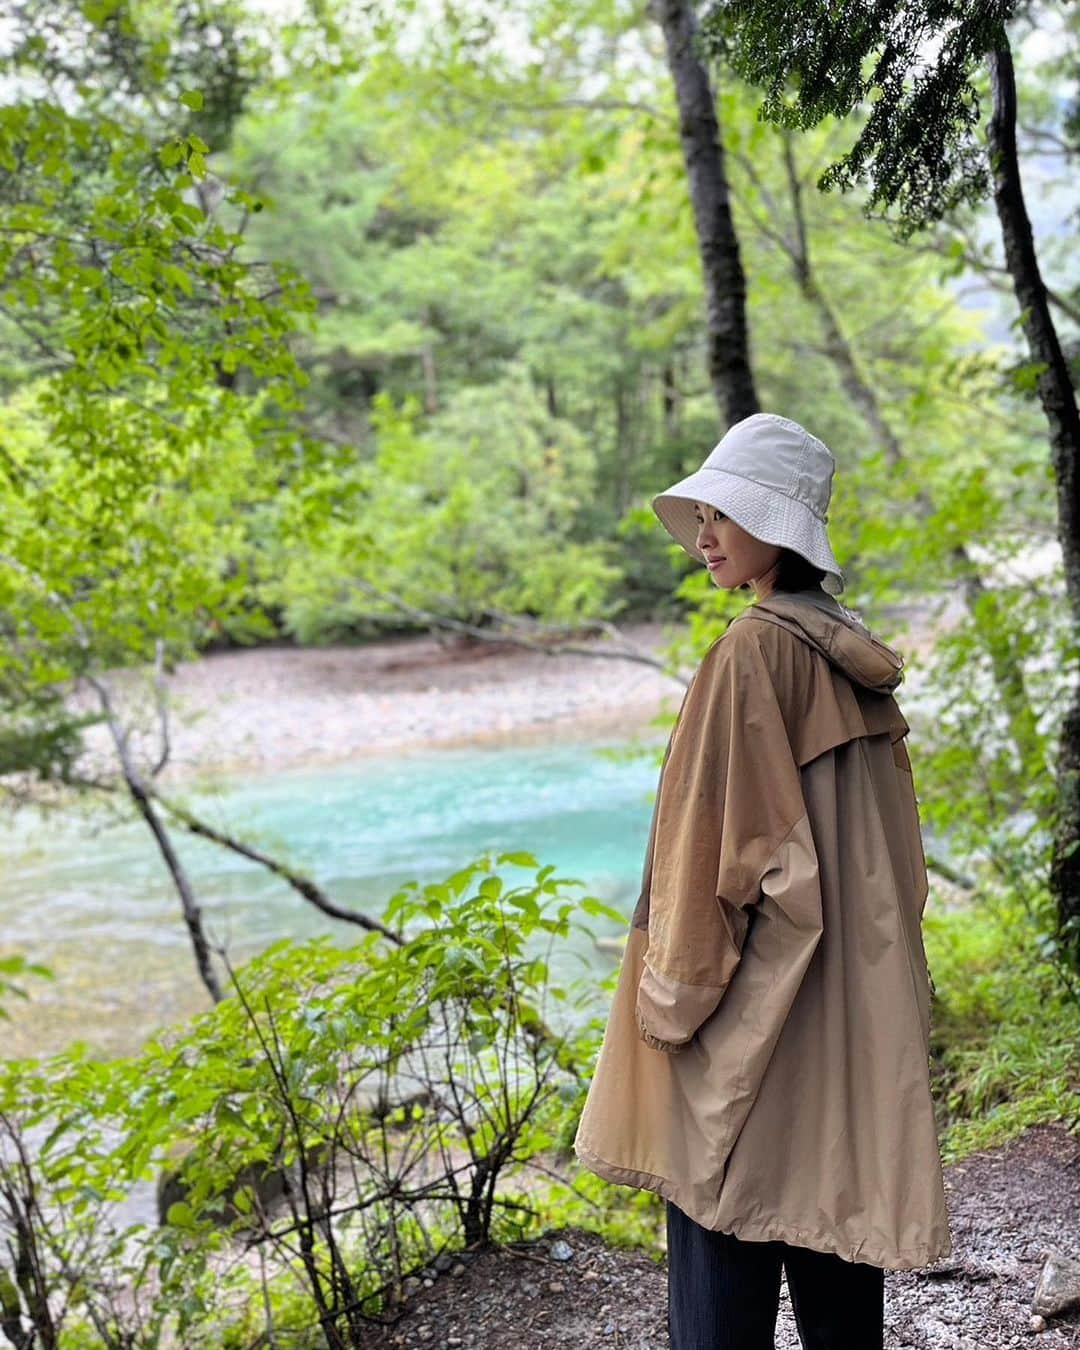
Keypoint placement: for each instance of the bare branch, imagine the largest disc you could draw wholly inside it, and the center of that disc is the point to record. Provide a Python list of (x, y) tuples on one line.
[(304, 886), (141, 793), (161, 703), (1049, 140), (546, 640)]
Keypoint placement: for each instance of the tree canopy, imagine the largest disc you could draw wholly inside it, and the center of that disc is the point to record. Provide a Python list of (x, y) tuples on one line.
[(913, 67)]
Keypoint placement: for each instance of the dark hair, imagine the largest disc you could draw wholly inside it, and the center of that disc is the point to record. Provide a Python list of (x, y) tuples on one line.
[(796, 573)]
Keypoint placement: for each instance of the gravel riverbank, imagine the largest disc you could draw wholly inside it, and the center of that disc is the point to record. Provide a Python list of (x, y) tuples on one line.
[(279, 707), (272, 708)]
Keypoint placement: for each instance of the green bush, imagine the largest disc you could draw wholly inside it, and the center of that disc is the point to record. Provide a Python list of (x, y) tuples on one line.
[(343, 1117)]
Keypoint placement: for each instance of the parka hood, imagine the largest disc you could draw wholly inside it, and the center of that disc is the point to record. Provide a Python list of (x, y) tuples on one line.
[(835, 631)]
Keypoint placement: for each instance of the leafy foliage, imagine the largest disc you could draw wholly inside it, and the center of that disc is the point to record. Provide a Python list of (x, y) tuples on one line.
[(347, 1114), (289, 353), (471, 512), (12, 969), (910, 66), (154, 380)]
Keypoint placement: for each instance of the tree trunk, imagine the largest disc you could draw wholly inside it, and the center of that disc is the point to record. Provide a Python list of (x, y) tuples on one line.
[(669, 395), (1058, 399), (624, 451), (837, 347), (1007, 668), (725, 283)]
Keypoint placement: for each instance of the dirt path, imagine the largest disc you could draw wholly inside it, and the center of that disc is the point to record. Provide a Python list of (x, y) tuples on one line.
[(1006, 1207)]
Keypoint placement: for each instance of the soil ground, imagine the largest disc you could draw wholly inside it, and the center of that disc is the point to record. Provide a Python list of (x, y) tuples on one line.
[(1007, 1207)]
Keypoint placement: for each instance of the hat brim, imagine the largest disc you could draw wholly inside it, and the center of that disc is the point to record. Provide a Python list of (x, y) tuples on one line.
[(771, 516)]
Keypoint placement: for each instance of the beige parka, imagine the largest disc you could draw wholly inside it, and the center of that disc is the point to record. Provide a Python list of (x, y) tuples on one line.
[(765, 1061)]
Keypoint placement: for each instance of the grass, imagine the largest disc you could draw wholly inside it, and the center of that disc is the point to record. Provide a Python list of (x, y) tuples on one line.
[(1005, 1030)]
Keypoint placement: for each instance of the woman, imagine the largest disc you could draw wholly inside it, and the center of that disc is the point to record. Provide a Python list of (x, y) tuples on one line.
[(765, 1064)]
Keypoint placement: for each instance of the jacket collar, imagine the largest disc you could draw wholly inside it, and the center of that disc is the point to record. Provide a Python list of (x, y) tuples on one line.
[(823, 623)]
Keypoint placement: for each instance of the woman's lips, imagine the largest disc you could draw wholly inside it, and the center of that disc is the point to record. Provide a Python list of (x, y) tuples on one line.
[(713, 565)]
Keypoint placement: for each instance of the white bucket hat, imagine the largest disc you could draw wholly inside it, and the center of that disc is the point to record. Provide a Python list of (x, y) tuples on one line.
[(771, 477)]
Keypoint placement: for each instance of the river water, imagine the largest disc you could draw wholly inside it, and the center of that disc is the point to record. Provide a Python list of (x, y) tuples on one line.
[(92, 900)]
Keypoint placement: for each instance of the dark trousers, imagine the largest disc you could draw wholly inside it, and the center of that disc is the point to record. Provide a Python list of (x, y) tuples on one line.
[(724, 1292)]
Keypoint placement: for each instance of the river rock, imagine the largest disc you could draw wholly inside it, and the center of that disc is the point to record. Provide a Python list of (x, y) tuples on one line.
[(267, 1180), (1059, 1284)]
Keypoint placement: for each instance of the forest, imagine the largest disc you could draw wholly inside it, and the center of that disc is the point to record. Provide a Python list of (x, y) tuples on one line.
[(336, 327)]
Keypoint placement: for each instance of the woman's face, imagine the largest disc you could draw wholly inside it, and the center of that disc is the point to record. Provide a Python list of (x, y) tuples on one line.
[(732, 555)]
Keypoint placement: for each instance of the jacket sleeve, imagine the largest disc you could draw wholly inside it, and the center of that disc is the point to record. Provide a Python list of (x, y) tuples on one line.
[(730, 794)]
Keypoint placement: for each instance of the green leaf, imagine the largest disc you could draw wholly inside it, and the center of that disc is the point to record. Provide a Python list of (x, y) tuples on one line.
[(518, 860), (171, 152), (598, 909), (192, 98)]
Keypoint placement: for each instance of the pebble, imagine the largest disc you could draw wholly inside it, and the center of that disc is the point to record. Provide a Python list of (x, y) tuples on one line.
[(1004, 1267), (457, 1269), (938, 1333), (556, 1287), (561, 1251)]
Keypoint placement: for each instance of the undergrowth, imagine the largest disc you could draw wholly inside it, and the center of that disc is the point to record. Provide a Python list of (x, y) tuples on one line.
[(1005, 1028)]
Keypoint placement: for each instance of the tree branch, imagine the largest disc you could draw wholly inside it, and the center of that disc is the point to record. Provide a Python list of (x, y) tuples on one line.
[(304, 886), (547, 642)]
